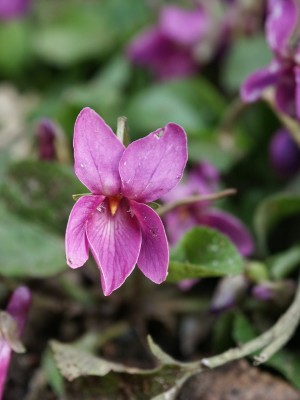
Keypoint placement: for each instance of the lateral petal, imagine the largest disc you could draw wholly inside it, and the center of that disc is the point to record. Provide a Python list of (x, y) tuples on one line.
[(153, 165), (115, 242), (76, 243), (153, 260), (256, 83), (97, 152)]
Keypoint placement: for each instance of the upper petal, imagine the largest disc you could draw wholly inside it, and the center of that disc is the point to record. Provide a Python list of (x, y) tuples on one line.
[(231, 227), (153, 165), (185, 27), (153, 260), (115, 242), (281, 22), (76, 243), (97, 152), (256, 83)]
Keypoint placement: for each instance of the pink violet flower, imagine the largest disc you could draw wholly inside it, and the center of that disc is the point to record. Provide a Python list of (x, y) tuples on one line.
[(204, 179), (284, 71), (13, 9), (15, 319), (113, 221), (168, 48)]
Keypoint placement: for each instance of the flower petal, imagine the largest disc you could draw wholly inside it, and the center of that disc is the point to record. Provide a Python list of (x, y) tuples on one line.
[(153, 260), (161, 55), (185, 27), (281, 23), (256, 83), (115, 241), (77, 251), (231, 227), (97, 152), (153, 165)]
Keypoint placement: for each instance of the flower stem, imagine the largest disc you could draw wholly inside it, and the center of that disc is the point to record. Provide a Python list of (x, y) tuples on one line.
[(269, 342), (122, 130), (162, 210)]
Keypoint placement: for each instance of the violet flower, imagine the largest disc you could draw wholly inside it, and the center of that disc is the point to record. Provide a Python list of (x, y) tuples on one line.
[(13, 9), (168, 48), (12, 323), (284, 72), (113, 221), (284, 154), (204, 179)]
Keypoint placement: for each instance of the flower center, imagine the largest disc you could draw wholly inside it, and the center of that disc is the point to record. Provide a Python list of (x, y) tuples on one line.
[(113, 202)]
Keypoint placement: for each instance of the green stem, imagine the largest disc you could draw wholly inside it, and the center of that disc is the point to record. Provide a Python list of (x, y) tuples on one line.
[(122, 130), (270, 341)]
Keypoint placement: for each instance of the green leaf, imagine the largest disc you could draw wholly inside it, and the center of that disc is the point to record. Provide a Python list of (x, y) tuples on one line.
[(84, 31), (272, 210), (27, 250), (111, 80), (242, 329), (288, 364), (52, 373), (41, 192), (281, 265), (144, 383), (204, 252), (246, 55), (192, 103), (14, 47)]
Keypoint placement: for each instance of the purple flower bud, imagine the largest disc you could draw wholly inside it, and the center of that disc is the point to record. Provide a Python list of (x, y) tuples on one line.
[(263, 291), (228, 292), (279, 292), (12, 323), (13, 9), (284, 154), (46, 134)]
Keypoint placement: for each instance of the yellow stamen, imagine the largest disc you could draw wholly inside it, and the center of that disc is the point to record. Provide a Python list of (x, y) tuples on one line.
[(114, 202)]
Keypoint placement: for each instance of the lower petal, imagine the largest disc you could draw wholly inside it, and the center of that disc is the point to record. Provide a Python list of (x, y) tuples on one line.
[(231, 227), (153, 260), (115, 241), (77, 251), (255, 84)]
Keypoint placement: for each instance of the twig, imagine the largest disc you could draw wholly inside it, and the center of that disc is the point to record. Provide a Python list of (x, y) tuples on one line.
[(162, 210), (270, 341)]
